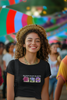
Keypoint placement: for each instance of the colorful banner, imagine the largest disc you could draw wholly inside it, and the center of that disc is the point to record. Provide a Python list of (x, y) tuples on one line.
[(55, 32), (11, 21), (9, 38), (10, 2), (60, 36)]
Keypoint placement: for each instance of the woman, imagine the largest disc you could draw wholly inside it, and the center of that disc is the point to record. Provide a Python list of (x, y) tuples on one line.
[(62, 78), (6, 58), (31, 65), (1, 62), (1, 55), (54, 61)]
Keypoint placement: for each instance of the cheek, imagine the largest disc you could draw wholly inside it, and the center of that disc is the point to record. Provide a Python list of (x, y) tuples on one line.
[(51, 49), (40, 45), (11, 48), (55, 48), (27, 44)]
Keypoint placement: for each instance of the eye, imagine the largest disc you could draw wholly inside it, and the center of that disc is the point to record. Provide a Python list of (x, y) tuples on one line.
[(29, 40), (37, 41)]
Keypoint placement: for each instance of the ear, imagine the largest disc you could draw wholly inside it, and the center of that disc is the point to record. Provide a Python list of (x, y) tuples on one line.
[(24, 45)]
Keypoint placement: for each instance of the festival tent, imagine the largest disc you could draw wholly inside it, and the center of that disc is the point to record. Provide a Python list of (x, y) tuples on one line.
[(2, 39), (60, 36), (11, 2), (9, 38), (11, 21)]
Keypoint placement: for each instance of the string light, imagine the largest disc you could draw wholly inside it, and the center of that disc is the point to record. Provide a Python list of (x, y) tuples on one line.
[(65, 8), (28, 8), (44, 7), (65, 0), (44, 12), (36, 13)]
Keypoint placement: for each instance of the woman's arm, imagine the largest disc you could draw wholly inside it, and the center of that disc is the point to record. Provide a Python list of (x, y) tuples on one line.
[(4, 65), (58, 88), (10, 86), (45, 89)]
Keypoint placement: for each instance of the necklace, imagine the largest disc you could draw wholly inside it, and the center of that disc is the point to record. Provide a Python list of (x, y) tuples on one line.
[(29, 63)]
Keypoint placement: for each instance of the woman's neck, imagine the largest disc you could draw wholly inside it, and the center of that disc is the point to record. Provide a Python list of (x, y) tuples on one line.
[(53, 54), (53, 57), (31, 58), (12, 53)]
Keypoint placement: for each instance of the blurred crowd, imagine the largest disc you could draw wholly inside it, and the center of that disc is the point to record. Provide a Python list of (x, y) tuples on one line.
[(58, 51), (6, 55)]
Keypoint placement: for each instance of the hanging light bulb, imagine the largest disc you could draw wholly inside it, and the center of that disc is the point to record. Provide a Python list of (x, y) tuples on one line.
[(65, 0), (65, 8), (28, 8), (44, 7), (36, 13), (44, 12)]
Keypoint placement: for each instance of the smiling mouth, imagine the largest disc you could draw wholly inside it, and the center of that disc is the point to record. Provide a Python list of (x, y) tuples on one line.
[(33, 47)]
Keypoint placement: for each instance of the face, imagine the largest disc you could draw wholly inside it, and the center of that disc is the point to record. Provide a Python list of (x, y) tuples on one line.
[(1, 49), (11, 48), (54, 48), (32, 43), (57, 46)]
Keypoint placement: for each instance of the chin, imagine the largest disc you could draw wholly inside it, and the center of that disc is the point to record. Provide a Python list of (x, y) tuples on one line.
[(55, 52), (33, 51)]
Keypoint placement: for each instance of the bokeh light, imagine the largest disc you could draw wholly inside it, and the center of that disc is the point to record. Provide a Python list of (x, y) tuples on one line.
[(28, 8)]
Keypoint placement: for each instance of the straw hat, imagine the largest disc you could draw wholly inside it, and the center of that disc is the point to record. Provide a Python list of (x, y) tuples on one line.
[(25, 29)]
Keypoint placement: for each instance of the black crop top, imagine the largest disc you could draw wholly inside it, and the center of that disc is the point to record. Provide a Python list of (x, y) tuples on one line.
[(30, 78)]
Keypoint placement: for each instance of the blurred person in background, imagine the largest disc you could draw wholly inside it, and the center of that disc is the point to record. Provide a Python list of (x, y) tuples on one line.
[(14, 47), (1, 54), (58, 44), (6, 59), (62, 78), (63, 52), (1, 63), (54, 61)]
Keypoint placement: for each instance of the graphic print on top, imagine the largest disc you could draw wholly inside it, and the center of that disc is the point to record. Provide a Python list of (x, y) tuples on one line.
[(32, 78)]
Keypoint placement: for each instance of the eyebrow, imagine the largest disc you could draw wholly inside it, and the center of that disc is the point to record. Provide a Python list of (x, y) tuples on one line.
[(36, 38)]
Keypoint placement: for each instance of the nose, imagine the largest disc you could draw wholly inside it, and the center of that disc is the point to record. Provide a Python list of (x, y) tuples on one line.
[(56, 49), (33, 41)]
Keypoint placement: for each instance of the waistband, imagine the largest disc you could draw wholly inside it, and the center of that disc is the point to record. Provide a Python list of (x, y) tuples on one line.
[(53, 77), (25, 98)]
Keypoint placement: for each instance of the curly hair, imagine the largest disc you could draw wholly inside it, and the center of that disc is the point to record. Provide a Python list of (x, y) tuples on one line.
[(21, 35)]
